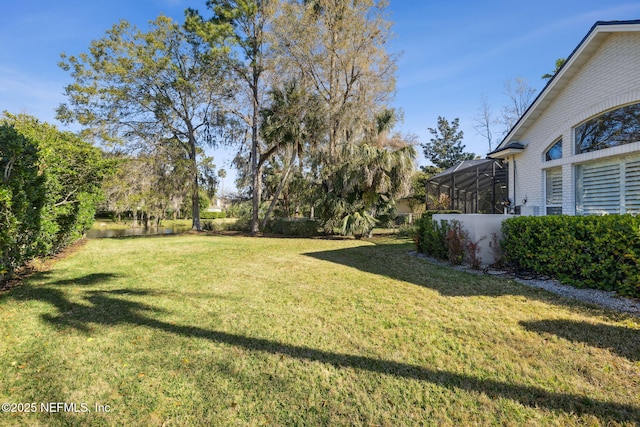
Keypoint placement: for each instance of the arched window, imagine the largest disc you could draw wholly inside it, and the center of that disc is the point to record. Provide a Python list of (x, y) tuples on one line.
[(613, 128), (555, 152)]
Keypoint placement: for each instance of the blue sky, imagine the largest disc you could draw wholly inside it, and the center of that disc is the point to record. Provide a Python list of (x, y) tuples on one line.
[(452, 51)]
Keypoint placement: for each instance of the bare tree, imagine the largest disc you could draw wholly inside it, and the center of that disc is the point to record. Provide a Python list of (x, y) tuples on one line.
[(484, 121), (519, 95), (339, 47)]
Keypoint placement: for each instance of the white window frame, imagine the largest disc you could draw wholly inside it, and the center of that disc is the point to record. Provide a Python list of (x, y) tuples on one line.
[(611, 186), (551, 147), (553, 191)]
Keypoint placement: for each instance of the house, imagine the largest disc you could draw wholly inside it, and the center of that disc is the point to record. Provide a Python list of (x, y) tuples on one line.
[(218, 204), (576, 150)]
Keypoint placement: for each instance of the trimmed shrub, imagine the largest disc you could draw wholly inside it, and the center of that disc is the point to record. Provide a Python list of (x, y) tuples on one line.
[(408, 230), (209, 225), (431, 238), (601, 252), (213, 215), (49, 189), (22, 197), (293, 227)]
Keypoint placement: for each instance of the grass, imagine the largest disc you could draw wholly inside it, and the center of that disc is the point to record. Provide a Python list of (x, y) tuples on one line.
[(230, 330)]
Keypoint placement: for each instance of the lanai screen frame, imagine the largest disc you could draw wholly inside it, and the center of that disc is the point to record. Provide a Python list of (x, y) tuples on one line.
[(473, 186)]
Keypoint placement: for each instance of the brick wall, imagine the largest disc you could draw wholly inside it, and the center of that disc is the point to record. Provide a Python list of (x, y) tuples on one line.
[(610, 78)]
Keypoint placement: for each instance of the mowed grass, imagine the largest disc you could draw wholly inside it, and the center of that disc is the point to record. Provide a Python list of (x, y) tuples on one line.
[(230, 330)]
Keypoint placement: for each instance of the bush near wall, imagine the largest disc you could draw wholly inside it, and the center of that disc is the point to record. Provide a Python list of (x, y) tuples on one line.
[(601, 252), (431, 237)]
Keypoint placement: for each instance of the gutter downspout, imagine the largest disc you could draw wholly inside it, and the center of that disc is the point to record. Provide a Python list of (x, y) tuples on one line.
[(513, 158), (493, 187)]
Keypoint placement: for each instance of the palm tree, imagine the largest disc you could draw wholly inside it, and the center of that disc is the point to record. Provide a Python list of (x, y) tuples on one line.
[(292, 124), (377, 171)]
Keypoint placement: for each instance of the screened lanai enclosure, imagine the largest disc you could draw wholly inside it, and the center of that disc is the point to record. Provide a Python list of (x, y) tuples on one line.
[(472, 186)]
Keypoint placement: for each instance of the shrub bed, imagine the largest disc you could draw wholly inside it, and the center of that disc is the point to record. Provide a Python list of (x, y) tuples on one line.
[(293, 227), (431, 237), (601, 252), (213, 215)]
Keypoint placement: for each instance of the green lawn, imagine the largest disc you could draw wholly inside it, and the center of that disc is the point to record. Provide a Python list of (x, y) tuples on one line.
[(229, 330)]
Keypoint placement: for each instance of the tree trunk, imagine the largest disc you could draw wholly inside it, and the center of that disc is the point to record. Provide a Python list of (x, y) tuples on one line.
[(195, 206), (279, 189), (195, 196), (255, 188), (256, 179)]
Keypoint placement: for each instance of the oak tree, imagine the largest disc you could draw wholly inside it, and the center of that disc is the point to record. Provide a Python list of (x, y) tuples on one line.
[(140, 88)]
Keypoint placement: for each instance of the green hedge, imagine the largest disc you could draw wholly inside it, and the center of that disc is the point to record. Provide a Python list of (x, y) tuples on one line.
[(213, 215), (431, 237), (293, 227), (22, 197), (50, 184), (601, 252)]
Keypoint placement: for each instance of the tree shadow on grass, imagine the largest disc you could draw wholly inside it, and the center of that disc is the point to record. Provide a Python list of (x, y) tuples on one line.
[(393, 261), (23, 288), (109, 308), (620, 340), (86, 280)]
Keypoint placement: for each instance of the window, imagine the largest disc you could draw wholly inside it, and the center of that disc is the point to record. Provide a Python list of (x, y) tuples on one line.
[(553, 184), (555, 152), (613, 128), (608, 187), (632, 187)]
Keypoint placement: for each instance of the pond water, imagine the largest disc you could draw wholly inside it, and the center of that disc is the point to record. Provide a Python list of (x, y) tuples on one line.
[(136, 231)]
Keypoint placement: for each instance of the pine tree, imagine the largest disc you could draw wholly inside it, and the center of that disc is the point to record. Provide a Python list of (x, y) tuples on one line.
[(445, 149)]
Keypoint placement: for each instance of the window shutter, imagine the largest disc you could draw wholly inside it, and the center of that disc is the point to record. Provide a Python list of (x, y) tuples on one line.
[(601, 189), (632, 186), (554, 186)]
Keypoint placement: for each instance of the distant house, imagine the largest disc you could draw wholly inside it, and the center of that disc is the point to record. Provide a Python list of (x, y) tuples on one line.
[(576, 150), (218, 204)]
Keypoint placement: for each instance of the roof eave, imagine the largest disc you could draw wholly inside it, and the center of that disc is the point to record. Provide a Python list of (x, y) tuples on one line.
[(507, 152), (598, 32)]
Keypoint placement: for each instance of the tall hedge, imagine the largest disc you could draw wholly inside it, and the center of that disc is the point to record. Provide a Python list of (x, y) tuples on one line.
[(22, 197), (49, 188), (601, 252)]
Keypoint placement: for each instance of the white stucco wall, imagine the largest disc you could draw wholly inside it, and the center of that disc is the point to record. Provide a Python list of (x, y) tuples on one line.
[(609, 79), (481, 228)]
